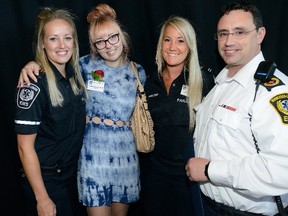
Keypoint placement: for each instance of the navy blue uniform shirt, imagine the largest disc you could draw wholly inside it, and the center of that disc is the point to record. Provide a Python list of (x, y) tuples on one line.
[(171, 115), (59, 129)]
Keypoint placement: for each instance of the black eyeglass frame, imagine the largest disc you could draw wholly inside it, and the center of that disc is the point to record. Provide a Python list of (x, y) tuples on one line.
[(237, 34), (107, 40)]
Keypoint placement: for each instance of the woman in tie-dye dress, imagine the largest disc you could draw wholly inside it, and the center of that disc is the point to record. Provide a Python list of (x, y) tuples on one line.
[(108, 168), (108, 171)]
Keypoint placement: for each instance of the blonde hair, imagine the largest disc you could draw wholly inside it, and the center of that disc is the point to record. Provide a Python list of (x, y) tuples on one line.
[(104, 13), (45, 16), (195, 82)]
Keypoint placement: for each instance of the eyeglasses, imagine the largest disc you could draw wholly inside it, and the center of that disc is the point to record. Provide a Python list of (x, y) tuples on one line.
[(223, 35), (101, 44)]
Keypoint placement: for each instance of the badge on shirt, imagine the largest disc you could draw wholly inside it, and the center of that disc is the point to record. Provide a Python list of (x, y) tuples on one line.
[(274, 82), (280, 104), (184, 90), (27, 95), (94, 85)]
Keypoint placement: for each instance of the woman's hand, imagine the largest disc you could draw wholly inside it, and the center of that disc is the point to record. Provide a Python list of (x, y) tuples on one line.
[(31, 69), (46, 207)]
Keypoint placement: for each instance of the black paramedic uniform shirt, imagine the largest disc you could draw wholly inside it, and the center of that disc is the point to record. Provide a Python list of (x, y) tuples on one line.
[(59, 129), (170, 115)]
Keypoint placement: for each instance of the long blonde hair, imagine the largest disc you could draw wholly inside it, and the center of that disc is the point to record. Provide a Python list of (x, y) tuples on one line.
[(78, 86), (195, 82)]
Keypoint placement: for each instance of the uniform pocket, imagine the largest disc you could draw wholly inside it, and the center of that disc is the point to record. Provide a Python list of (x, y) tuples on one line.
[(226, 117), (226, 129)]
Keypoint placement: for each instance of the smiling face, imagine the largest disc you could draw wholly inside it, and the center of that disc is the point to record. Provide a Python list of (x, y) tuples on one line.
[(237, 52), (174, 47), (111, 53), (58, 42)]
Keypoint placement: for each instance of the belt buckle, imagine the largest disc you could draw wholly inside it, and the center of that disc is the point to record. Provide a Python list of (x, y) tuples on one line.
[(58, 169)]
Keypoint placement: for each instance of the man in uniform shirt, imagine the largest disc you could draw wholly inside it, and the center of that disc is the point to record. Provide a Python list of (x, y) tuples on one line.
[(241, 135)]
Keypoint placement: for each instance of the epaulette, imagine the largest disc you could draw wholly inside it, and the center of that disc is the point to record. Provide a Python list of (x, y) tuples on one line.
[(207, 69), (273, 82)]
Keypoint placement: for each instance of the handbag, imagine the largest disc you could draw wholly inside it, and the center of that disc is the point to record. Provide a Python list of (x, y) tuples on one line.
[(141, 122)]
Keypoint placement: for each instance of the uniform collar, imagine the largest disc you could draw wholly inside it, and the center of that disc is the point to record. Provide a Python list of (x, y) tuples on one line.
[(58, 75), (181, 75), (244, 76)]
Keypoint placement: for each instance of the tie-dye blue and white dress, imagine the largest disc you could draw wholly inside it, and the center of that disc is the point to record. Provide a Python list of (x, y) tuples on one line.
[(108, 168)]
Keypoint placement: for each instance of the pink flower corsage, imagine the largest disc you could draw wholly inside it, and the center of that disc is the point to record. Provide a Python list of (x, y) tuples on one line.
[(98, 75)]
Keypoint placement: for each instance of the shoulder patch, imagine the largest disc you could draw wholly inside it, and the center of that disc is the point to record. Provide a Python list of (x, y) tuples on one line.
[(272, 83), (27, 95), (280, 104)]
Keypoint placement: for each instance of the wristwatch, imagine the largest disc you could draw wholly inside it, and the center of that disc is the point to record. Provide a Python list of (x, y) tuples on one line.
[(206, 170)]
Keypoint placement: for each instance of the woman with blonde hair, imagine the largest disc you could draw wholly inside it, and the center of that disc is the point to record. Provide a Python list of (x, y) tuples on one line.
[(108, 168), (50, 117), (108, 171), (178, 86)]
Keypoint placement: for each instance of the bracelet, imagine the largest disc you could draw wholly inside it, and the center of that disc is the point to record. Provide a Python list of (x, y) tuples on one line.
[(206, 170)]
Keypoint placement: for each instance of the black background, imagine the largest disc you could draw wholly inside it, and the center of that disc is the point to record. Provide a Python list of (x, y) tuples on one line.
[(141, 19)]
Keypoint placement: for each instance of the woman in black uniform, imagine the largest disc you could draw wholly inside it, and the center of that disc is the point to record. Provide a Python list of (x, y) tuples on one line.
[(172, 93), (50, 117)]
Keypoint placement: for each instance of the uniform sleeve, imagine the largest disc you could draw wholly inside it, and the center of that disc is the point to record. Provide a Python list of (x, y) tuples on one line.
[(30, 104), (263, 174)]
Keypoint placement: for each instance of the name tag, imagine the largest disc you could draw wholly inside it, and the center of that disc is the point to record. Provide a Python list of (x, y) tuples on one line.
[(184, 90), (95, 85)]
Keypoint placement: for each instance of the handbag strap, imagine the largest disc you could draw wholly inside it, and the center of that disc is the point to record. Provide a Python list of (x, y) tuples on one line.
[(140, 86)]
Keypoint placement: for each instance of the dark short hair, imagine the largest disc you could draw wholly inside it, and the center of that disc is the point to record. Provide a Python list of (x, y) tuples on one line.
[(245, 6)]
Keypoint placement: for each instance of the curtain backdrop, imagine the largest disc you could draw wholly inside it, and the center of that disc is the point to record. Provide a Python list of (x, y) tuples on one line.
[(141, 19)]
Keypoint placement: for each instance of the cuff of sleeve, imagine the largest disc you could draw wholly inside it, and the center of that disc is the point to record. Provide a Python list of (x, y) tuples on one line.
[(206, 170), (218, 173)]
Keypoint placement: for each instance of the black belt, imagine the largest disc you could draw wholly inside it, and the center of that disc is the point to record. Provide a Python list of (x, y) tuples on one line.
[(58, 168), (224, 209)]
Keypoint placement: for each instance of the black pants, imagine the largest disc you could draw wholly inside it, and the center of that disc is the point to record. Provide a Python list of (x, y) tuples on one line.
[(62, 189), (212, 208), (167, 191)]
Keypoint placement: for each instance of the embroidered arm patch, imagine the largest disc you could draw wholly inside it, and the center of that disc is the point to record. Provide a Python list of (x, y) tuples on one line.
[(27, 95), (280, 104)]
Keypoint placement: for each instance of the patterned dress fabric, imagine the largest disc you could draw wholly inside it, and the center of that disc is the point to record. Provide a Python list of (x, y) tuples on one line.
[(108, 167)]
